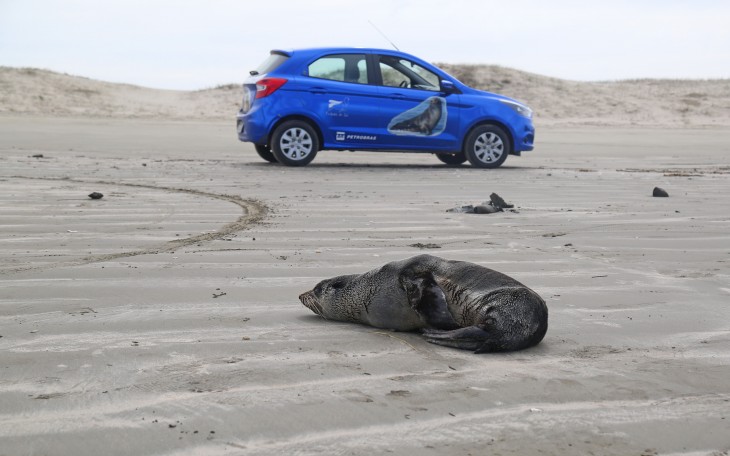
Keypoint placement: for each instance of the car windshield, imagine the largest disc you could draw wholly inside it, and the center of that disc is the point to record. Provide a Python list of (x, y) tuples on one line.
[(271, 63)]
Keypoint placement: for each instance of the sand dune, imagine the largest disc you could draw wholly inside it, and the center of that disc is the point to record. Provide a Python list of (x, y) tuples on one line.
[(41, 92), (650, 102), (645, 102)]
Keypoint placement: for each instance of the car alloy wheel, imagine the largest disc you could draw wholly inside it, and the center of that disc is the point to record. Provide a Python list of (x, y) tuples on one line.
[(294, 143), (487, 147)]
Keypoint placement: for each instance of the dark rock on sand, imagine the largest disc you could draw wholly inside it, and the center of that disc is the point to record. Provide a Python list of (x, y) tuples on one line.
[(499, 203), (660, 192)]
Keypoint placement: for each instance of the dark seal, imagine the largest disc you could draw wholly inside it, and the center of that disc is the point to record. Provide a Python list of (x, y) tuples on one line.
[(424, 122), (453, 303)]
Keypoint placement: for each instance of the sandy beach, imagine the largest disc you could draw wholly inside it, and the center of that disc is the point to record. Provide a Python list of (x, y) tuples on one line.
[(163, 318)]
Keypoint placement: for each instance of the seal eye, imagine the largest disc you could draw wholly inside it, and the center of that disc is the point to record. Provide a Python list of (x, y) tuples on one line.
[(337, 285)]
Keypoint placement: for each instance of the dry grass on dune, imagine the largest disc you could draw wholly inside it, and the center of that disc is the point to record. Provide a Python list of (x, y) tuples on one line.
[(646, 102)]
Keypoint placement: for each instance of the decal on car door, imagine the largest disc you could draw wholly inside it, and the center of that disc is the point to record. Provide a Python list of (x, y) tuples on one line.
[(426, 119), (338, 108)]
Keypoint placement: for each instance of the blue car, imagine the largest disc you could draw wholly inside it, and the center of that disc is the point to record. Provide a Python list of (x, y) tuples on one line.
[(300, 102)]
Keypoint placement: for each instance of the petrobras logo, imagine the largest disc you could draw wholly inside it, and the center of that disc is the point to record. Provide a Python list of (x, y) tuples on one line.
[(342, 136), (362, 137)]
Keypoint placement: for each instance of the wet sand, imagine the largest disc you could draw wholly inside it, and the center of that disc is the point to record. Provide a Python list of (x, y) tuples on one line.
[(163, 318)]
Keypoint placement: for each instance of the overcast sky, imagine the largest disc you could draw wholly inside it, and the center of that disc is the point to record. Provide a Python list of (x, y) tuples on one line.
[(193, 44)]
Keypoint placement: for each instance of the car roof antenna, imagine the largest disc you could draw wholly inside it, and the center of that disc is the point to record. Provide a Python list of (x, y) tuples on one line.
[(383, 34)]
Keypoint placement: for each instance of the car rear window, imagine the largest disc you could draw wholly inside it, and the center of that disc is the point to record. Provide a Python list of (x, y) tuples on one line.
[(340, 67), (271, 63)]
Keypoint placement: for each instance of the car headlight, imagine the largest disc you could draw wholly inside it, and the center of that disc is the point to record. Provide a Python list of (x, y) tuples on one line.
[(520, 108)]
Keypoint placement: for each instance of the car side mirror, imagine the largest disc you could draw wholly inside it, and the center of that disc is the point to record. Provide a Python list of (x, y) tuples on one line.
[(448, 86)]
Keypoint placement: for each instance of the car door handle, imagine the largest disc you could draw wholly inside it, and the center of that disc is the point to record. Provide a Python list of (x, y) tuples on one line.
[(319, 90), (397, 96)]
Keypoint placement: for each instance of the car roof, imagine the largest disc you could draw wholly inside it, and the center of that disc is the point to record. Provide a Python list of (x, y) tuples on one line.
[(304, 54), (342, 50)]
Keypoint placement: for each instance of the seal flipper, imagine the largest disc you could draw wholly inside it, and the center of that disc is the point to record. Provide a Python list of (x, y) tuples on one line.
[(470, 338), (428, 299)]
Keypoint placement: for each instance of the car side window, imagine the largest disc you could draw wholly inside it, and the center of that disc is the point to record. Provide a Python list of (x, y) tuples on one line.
[(397, 72), (392, 77), (340, 67)]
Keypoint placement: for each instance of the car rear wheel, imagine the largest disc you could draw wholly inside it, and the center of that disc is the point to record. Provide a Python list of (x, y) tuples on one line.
[(487, 146), (265, 153), (452, 159), (294, 143)]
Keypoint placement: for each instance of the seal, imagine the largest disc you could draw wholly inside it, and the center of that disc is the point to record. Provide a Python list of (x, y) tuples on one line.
[(425, 122), (453, 303)]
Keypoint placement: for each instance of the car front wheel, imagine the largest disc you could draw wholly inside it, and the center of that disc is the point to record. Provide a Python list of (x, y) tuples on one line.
[(294, 143), (487, 146)]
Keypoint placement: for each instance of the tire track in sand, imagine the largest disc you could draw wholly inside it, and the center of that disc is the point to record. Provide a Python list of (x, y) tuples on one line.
[(254, 212)]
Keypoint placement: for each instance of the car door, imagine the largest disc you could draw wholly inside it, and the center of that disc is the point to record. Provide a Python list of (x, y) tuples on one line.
[(342, 98), (414, 113)]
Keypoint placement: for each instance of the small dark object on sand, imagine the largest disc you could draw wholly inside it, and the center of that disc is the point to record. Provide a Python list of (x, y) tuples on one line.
[(486, 209), (96, 196), (463, 209), (660, 192), (499, 203), (419, 245), (37, 156), (494, 205)]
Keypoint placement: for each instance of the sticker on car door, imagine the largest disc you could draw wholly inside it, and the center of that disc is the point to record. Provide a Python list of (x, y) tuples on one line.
[(338, 108), (428, 118)]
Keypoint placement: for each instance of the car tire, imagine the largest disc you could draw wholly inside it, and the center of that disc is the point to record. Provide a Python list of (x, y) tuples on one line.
[(265, 153), (452, 159), (487, 146), (294, 143)]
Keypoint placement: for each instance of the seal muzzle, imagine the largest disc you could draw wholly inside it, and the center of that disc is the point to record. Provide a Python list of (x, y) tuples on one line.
[(309, 299)]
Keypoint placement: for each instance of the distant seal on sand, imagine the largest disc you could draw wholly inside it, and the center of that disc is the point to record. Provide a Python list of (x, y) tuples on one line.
[(454, 303), (424, 122)]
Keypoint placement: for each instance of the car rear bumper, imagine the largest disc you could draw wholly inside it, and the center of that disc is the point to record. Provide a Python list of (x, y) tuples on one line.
[(251, 127)]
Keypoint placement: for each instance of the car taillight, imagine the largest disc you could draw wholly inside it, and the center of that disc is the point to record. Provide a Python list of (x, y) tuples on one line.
[(267, 86)]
